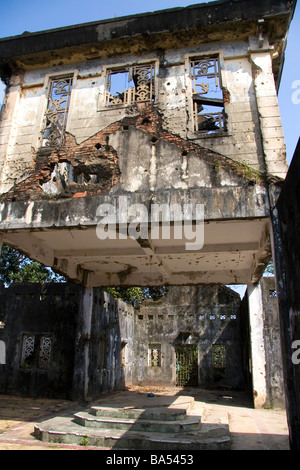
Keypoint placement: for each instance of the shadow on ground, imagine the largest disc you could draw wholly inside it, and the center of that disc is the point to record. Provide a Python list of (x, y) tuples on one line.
[(250, 429)]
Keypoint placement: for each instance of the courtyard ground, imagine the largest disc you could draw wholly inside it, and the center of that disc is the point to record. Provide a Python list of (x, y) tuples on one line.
[(250, 429)]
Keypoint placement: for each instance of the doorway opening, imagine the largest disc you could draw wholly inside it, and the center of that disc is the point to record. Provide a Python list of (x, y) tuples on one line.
[(186, 365)]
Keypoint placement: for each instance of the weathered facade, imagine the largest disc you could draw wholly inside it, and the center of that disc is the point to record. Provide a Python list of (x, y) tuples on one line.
[(51, 349), (196, 123), (194, 336), (262, 355), (285, 216), (191, 337), (186, 157)]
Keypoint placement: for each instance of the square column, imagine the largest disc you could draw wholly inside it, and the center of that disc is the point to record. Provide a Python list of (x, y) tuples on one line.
[(257, 345)]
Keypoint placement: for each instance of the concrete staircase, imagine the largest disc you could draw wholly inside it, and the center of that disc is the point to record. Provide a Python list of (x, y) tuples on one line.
[(156, 423)]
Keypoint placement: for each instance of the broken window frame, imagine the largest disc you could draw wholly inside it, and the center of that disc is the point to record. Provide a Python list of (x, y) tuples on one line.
[(129, 95), (207, 67), (57, 110)]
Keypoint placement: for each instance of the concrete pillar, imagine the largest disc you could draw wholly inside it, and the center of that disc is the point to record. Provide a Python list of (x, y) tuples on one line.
[(2, 343), (82, 345), (2, 353), (257, 346), (268, 110)]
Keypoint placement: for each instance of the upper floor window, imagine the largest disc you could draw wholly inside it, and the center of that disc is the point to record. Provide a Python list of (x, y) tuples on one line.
[(207, 95), (130, 85), (57, 111)]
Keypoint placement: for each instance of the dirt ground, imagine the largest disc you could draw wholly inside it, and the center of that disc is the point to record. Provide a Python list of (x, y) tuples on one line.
[(250, 429)]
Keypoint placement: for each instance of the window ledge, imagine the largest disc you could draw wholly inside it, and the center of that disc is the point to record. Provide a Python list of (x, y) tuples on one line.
[(220, 135), (125, 107)]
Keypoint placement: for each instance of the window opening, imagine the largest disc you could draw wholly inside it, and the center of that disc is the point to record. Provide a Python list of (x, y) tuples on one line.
[(208, 103), (45, 352), (130, 85), (36, 351), (186, 365), (219, 356), (155, 355), (57, 111), (28, 351)]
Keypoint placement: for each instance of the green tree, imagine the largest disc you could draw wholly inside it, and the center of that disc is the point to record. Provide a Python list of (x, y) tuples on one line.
[(136, 295), (269, 271), (16, 267), (130, 295)]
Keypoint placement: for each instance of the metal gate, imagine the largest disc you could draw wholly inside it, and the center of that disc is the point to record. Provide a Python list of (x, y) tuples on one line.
[(186, 365)]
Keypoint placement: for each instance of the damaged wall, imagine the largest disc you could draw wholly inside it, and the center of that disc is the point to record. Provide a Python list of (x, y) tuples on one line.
[(252, 135), (262, 354), (56, 349), (69, 342), (97, 344), (40, 325), (274, 367), (104, 330), (286, 230), (207, 317), (195, 120)]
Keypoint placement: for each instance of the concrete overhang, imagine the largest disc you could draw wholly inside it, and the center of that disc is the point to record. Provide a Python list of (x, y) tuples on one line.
[(195, 24), (63, 234)]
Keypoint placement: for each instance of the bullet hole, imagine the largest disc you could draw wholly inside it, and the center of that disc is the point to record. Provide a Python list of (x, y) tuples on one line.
[(98, 146), (154, 140), (184, 153), (125, 128)]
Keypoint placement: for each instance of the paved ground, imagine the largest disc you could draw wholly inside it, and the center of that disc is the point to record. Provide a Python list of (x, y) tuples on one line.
[(250, 429)]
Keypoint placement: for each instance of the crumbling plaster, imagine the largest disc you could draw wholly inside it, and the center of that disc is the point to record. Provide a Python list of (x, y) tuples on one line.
[(251, 107), (147, 151)]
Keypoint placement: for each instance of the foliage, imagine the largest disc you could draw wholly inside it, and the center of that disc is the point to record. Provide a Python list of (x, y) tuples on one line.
[(16, 267), (136, 295), (269, 271)]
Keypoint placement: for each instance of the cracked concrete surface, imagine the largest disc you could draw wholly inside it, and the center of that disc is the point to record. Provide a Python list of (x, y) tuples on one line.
[(251, 429)]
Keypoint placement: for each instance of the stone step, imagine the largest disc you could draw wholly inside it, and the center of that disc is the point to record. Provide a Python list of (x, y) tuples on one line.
[(132, 421), (66, 431), (171, 413), (188, 424)]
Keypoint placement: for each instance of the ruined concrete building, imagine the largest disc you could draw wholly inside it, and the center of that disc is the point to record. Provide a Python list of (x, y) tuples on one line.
[(193, 336), (150, 123)]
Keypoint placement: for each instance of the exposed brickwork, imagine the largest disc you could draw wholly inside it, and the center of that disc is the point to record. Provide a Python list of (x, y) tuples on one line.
[(96, 156)]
